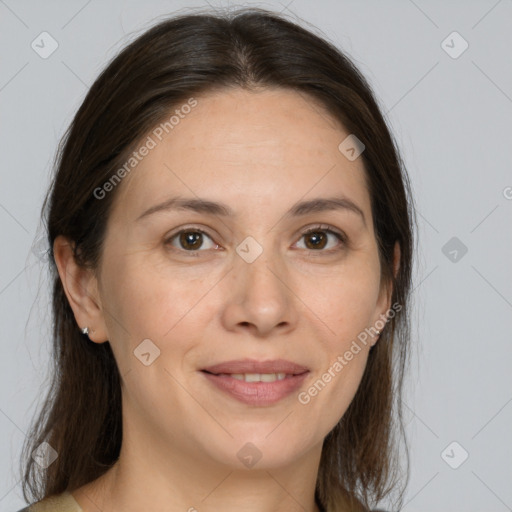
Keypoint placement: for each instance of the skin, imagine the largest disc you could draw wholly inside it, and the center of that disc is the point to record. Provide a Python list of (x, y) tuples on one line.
[(260, 153)]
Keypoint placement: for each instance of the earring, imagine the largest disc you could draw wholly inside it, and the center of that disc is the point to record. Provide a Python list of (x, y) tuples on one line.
[(85, 330), (378, 332)]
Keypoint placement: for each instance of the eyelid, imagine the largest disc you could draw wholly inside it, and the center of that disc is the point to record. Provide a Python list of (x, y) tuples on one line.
[(326, 227), (187, 228)]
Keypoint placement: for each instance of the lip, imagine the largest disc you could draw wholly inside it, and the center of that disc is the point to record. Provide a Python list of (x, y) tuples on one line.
[(257, 393)]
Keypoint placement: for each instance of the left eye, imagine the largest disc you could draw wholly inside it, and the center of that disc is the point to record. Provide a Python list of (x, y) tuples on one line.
[(318, 238)]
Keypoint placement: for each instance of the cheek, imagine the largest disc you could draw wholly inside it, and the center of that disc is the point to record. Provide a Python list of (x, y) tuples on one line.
[(328, 396), (345, 384), (345, 303), (342, 308), (145, 302), (140, 305), (337, 379)]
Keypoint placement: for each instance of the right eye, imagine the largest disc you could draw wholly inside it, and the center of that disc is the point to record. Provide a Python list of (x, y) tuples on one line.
[(189, 240)]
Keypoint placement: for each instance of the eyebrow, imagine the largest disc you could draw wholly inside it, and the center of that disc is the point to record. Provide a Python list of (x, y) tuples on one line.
[(216, 208)]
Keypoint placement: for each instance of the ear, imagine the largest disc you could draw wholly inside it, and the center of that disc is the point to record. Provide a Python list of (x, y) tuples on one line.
[(81, 288), (386, 292)]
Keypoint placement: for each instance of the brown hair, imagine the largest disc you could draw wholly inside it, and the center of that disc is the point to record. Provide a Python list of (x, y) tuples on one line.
[(178, 58)]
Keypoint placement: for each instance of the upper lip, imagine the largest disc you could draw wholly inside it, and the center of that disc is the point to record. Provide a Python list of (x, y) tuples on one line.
[(254, 366)]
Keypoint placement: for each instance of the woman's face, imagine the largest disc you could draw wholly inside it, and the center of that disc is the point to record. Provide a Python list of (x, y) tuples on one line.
[(245, 284)]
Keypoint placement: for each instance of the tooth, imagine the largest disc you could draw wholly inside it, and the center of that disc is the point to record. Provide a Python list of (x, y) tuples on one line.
[(252, 377), (256, 377)]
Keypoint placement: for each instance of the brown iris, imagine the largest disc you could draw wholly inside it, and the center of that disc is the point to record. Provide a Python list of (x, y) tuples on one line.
[(191, 240), (319, 239)]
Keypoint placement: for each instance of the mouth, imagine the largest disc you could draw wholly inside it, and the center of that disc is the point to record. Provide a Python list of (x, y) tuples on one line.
[(259, 383), (255, 377)]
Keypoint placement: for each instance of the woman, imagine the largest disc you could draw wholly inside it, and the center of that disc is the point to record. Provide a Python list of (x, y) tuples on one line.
[(231, 227)]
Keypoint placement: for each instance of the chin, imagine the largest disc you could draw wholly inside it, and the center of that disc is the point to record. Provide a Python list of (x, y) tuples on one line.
[(260, 451)]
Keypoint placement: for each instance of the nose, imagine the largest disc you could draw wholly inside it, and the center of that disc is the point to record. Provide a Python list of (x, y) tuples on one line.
[(259, 298)]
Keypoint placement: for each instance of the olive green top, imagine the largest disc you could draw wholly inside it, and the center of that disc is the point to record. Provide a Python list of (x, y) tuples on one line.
[(59, 503)]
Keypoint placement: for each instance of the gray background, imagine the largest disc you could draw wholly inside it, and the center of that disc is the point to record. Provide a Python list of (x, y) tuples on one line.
[(452, 120)]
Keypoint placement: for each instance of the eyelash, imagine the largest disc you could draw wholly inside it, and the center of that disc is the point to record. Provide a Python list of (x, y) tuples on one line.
[(320, 227)]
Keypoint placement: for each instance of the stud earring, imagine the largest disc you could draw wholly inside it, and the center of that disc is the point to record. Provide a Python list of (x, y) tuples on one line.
[(85, 330)]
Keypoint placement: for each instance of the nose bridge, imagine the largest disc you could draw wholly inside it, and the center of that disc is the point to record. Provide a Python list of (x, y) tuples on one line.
[(259, 268), (259, 294)]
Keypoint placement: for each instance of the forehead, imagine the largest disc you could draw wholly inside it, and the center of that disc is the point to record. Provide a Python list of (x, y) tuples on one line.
[(237, 145)]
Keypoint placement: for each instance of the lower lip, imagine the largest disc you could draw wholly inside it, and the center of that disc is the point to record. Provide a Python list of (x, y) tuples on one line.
[(257, 393)]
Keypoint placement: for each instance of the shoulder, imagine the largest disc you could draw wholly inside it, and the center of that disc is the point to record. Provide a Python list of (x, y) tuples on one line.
[(63, 502)]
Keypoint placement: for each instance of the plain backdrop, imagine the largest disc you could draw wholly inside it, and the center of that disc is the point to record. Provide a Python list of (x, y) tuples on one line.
[(442, 74)]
